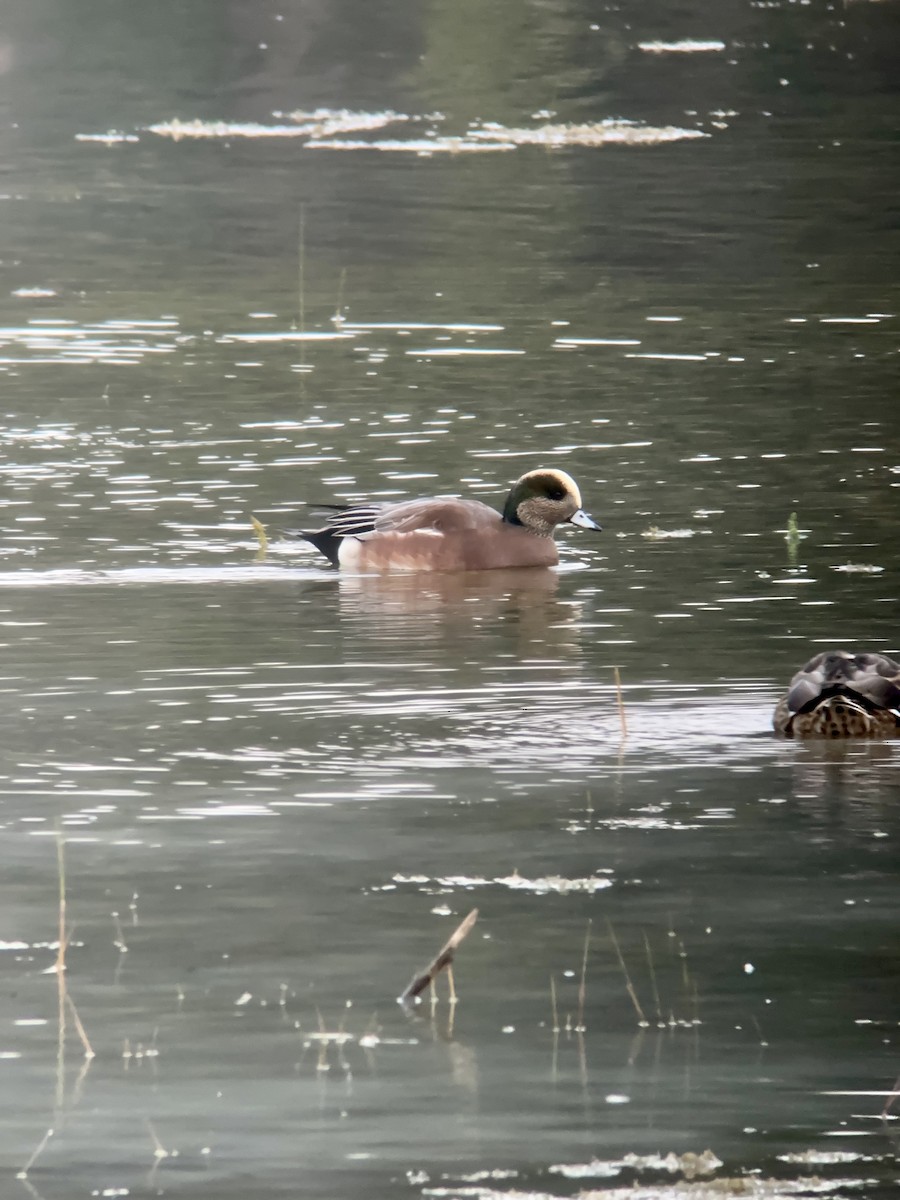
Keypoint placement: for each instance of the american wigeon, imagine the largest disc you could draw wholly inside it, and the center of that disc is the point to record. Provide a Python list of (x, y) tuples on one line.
[(451, 534), (842, 695)]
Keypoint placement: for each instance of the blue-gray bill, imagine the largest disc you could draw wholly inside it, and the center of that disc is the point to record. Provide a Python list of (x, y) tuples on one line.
[(581, 518)]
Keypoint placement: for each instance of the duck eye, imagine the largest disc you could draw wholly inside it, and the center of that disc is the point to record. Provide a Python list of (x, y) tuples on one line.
[(556, 493)]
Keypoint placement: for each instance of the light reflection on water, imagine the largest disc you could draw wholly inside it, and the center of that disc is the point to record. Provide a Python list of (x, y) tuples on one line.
[(383, 754), (463, 727), (114, 341)]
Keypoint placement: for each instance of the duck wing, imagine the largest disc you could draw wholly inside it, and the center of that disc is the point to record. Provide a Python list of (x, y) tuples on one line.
[(874, 677), (877, 678), (429, 514), (437, 515)]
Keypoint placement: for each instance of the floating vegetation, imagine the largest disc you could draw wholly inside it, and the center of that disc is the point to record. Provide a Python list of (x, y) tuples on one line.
[(345, 121), (494, 137), (684, 46), (320, 123), (516, 882), (424, 147), (715, 1189), (33, 293), (324, 129), (112, 137), (600, 133), (655, 534), (793, 535), (689, 1165), (682, 1189), (180, 131), (824, 1157), (858, 569)]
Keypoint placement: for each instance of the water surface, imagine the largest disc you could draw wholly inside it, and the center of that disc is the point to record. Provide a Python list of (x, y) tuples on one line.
[(414, 252)]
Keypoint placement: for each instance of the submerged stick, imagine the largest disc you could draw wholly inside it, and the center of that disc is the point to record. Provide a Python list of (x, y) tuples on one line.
[(427, 977)]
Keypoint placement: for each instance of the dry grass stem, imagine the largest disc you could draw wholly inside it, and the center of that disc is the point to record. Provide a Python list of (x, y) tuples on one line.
[(582, 984), (65, 1001), (621, 703), (119, 940), (685, 974), (339, 307), (634, 1049), (159, 1150), (79, 1028), (652, 969), (629, 986), (260, 530), (78, 1085), (61, 992), (30, 1188), (553, 1006), (758, 1028), (889, 1103), (38, 1150), (301, 292), (61, 995), (61, 869), (301, 270), (443, 959)]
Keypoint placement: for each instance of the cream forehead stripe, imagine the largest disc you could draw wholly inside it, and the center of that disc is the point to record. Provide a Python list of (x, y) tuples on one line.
[(568, 483)]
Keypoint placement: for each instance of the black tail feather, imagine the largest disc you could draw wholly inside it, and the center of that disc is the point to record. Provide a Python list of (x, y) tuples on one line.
[(323, 540)]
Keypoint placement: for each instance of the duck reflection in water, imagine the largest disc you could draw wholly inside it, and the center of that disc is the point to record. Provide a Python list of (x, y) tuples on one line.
[(418, 608), (842, 695)]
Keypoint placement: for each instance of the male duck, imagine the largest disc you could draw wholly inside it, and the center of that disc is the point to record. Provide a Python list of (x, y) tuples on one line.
[(841, 695), (451, 534)]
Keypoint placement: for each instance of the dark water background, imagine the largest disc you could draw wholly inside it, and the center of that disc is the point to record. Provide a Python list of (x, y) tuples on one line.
[(279, 789)]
